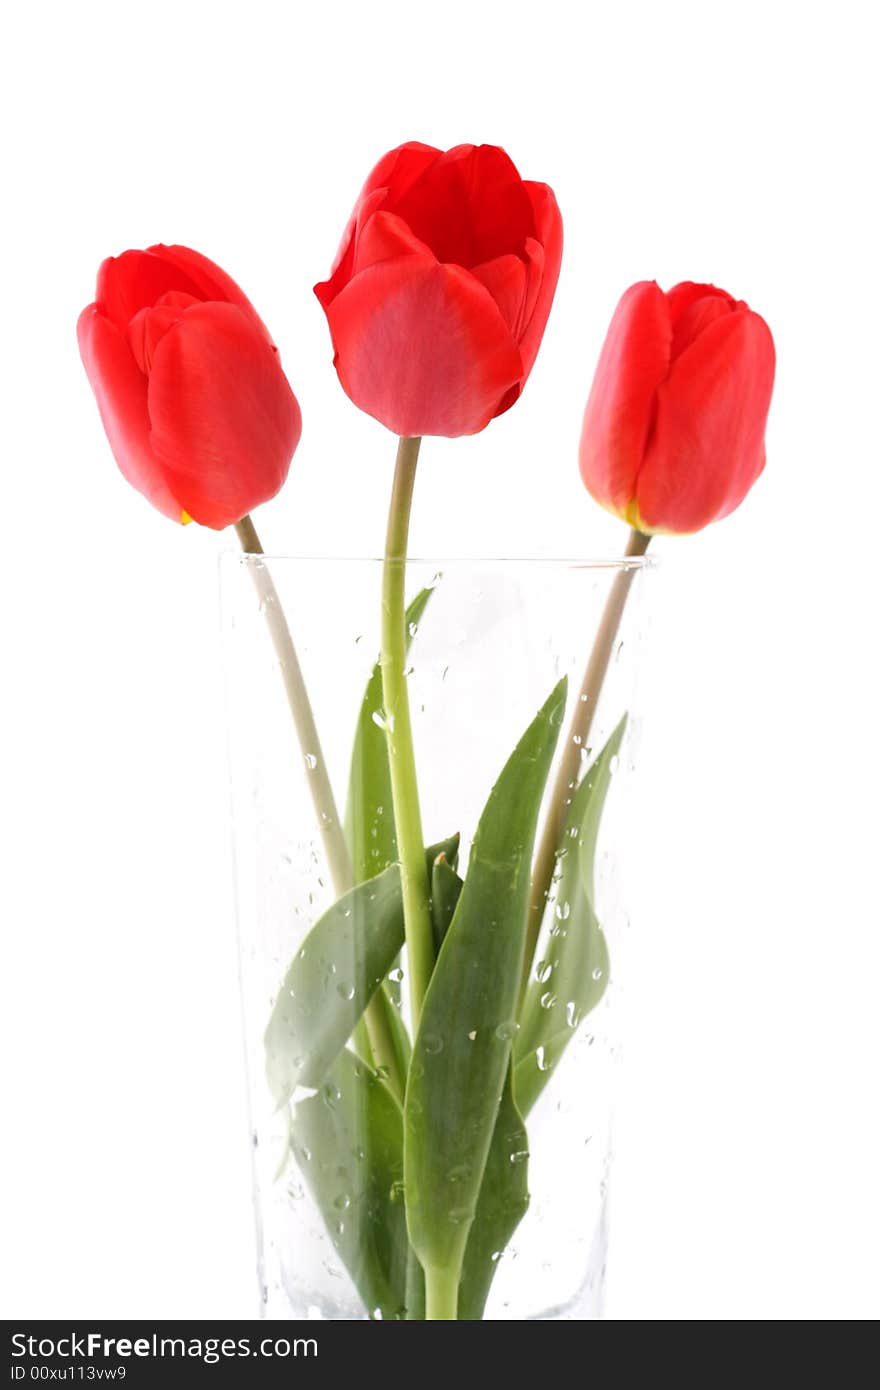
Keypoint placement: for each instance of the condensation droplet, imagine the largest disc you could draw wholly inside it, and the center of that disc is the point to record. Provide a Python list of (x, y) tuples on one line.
[(471, 1036), (345, 991), (597, 972), (311, 761), (548, 999), (505, 1031), (563, 911), (544, 971), (541, 1059), (432, 1044)]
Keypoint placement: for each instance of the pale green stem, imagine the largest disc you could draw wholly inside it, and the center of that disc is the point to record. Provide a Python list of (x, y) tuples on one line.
[(568, 772), (398, 727), (329, 824), (441, 1295)]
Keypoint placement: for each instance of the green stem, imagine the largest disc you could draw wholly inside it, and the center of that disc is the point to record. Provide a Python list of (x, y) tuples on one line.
[(336, 850), (568, 772), (398, 727), (441, 1295)]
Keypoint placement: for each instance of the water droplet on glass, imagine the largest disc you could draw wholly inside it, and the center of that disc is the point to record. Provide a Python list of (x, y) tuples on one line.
[(572, 1014), (548, 999), (472, 1036), (541, 1059), (519, 1155), (345, 991), (330, 1095), (544, 971), (342, 1202), (412, 629), (597, 973), (432, 1044), (311, 761), (505, 1031), (378, 718), (563, 911), (584, 699)]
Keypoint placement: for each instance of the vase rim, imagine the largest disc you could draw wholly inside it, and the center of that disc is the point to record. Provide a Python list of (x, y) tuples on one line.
[(596, 562)]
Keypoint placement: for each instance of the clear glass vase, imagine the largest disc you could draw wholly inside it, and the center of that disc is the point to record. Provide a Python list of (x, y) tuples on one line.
[(489, 641)]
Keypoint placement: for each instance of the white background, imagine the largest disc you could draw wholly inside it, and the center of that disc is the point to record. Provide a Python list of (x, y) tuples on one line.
[(732, 143)]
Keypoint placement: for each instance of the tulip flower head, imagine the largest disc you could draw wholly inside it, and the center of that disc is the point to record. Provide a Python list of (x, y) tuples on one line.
[(440, 292), (199, 414), (673, 433)]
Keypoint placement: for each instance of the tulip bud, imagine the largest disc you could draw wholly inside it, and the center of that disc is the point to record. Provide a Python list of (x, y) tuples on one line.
[(673, 433), (440, 293), (199, 414)]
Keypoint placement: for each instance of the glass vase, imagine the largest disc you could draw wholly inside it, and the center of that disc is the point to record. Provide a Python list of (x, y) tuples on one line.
[(489, 641)]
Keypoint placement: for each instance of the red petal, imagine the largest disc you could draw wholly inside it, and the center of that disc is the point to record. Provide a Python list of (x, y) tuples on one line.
[(470, 206), (121, 392), (687, 292), (386, 238), (620, 410), (213, 282), (505, 278), (135, 280), (695, 319), (150, 325), (423, 348), (390, 178), (225, 422), (548, 233), (398, 170), (707, 446)]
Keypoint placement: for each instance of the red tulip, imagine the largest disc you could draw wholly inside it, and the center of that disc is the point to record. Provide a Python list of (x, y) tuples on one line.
[(440, 292), (198, 412), (673, 434)]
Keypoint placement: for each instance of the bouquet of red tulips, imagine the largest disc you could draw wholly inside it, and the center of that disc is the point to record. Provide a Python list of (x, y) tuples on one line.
[(437, 303)]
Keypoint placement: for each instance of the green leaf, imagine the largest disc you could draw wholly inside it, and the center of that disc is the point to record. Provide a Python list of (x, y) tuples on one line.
[(462, 1049), (348, 1141), (333, 976), (446, 889), (503, 1201), (369, 815), (572, 970)]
